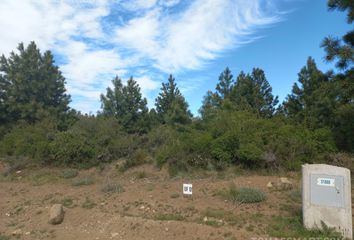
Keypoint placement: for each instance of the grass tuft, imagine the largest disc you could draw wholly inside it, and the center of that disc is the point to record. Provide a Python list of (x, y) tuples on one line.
[(169, 217), (69, 173), (88, 204), (83, 181), (244, 195), (112, 188)]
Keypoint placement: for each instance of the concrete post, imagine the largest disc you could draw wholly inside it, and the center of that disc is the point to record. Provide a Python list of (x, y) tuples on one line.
[(326, 197)]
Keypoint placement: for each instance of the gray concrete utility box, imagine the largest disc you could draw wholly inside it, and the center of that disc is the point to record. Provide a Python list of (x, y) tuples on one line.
[(326, 197)]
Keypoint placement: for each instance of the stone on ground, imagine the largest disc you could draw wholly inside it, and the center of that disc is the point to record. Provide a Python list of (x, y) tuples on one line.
[(56, 214)]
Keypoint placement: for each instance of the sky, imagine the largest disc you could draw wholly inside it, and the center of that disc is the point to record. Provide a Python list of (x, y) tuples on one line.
[(195, 40)]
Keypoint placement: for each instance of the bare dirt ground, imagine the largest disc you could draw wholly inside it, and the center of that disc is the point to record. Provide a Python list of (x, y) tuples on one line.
[(151, 207)]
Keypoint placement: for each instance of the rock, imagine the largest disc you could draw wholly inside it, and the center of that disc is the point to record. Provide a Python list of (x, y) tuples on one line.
[(17, 232), (113, 235), (285, 183), (56, 214), (282, 184), (205, 219)]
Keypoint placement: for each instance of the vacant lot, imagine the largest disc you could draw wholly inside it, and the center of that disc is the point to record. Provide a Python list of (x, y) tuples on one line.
[(145, 203)]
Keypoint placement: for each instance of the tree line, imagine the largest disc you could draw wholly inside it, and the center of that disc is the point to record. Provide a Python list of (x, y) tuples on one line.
[(314, 120)]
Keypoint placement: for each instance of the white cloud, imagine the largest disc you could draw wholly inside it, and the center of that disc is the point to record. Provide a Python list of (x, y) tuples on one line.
[(152, 37), (168, 3), (187, 39), (134, 5)]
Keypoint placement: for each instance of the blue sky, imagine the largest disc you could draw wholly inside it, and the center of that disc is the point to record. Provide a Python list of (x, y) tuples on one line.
[(94, 40)]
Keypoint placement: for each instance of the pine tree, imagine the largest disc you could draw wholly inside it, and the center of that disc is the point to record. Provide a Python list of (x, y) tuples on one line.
[(310, 102), (171, 106), (341, 49), (126, 104), (254, 93), (210, 105), (224, 86), (32, 86)]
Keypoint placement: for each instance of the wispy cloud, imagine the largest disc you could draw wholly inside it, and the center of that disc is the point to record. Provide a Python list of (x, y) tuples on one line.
[(145, 38)]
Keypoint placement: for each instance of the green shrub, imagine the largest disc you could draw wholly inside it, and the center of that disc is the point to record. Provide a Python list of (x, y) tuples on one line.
[(169, 217), (293, 227), (69, 173), (83, 181), (139, 157), (72, 148), (112, 188), (3, 237), (90, 142), (249, 195), (174, 195), (244, 195), (88, 204), (31, 141)]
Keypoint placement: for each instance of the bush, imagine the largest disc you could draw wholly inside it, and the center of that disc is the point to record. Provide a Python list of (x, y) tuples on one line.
[(83, 181), (112, 188), (89, 142), (72, 148), (244, 195), (31, 141), (69, 173), (88, 204), (139, 157)]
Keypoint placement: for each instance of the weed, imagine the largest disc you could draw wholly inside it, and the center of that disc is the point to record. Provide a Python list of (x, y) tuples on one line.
[(212, 223), (292, 226), (3, 237), (69, 173), (83, 181), (140, 175), (139, 157), (67, 202), (43, 178), (174, 195), (88, 204), (295, 196), (169, 217), (243, 195), (112, 188)]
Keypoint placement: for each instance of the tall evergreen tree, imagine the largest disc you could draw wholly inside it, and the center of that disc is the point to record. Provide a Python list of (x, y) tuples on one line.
[(171, 106), (126, 104), (31, 85), (224, 86), (309, 102), (210, 105), (254, 93)]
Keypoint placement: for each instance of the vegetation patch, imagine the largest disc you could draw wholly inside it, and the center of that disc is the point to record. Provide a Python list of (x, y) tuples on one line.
[(83, 181), (42, 178), (112, 188), (69, 173), (292, 226), (169, 217), (3, 237), (174, 195), (88, 204), (243, 195)]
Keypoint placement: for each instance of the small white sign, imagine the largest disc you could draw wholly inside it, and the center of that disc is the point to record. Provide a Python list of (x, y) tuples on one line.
[(187, 189), (329, 182)]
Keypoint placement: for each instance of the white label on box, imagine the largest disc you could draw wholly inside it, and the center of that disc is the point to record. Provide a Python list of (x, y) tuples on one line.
[(329, 182), (187, 189)]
